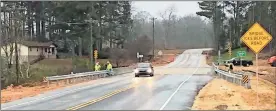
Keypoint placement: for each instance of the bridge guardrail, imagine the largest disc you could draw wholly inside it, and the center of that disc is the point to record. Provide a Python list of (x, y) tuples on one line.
[(241, 79), (77, 77)]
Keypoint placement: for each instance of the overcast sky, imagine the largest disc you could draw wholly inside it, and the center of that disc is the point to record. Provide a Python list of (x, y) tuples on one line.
[(154, 7)]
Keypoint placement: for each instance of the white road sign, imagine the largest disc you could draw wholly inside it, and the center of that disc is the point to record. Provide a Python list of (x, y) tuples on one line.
[(160, 53)]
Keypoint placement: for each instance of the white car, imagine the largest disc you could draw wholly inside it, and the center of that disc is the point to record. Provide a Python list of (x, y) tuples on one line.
[(143, 69)]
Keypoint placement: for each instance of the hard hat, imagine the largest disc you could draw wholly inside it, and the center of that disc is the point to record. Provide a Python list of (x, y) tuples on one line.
[(107, 62)]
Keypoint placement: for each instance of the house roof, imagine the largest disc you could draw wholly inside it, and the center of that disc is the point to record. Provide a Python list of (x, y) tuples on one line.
[(37, 44)]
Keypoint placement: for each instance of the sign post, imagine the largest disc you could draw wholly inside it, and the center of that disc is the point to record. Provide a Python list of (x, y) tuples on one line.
[(219, 57), (241, 54), (256, 38)]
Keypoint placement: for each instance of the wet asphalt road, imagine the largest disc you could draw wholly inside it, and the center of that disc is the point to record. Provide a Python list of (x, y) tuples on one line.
[(153, 94), (164, 91)]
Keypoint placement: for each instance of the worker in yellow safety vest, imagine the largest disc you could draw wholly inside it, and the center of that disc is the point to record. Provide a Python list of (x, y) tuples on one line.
[(108, 66), (97, 67)]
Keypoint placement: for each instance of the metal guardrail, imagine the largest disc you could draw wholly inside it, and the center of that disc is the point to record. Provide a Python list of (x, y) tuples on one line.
[(77, 77), (241, 79)]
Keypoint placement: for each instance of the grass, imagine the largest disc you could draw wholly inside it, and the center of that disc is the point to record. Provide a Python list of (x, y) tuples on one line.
[(225, 56), (52, 67)]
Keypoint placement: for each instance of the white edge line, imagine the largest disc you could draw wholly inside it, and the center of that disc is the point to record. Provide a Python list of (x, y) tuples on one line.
[(169, 99)]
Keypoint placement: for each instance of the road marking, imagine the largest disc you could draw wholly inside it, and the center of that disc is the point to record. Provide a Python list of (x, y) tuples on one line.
[(108, 95), (100, 98), (61, 94), (169, 99)]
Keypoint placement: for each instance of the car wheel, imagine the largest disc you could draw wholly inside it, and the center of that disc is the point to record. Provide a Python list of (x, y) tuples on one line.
[(274, 64), (151, 75), (136, 75)]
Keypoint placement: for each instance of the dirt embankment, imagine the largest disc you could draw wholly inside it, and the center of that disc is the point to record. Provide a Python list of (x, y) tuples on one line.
[(222, 95), (167, 57), (265, 71)]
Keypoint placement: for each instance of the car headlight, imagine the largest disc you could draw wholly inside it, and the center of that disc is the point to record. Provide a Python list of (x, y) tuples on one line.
[(136, 71), (149, 70)]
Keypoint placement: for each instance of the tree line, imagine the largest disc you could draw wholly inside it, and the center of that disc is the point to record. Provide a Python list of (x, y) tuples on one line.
[(231, 19), (172, 31), (75, 27), (68, 22)]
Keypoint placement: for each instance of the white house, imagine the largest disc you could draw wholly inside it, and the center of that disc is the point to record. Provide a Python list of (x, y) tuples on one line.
[(30, 51)]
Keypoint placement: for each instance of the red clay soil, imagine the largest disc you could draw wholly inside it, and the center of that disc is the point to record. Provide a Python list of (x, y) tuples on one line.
[(12, 93), (18, 92), (222, 95), (165, 59)]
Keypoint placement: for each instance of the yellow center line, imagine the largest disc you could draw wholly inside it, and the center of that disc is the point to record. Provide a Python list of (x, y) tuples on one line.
[(106, 96)]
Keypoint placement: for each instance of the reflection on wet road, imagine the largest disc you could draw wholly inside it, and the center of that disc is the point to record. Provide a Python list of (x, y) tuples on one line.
[(173, 87), (154, 93)]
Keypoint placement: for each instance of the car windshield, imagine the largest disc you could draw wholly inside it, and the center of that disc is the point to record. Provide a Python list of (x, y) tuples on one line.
[(234, 59), (143, 65)]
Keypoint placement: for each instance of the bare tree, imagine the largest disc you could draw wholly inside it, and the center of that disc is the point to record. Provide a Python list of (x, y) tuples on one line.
[(13, 29), (167, 17), (143, 45), (118, 56)]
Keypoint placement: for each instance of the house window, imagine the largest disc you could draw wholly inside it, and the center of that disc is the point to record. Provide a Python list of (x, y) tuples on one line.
[(30, 49), (45, 49)]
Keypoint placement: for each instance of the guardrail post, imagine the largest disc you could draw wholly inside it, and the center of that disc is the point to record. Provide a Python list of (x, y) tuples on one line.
[(240, 82), (249, 82)]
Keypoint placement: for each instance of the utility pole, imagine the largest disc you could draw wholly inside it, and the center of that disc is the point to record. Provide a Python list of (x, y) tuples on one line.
[(153, 36), (205, 39), (216, 26), (91, 44), (1, 61), (216, 31), (91, 35)]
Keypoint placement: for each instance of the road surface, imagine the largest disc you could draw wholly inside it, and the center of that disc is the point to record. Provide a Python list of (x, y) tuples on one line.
[(173, 87)]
